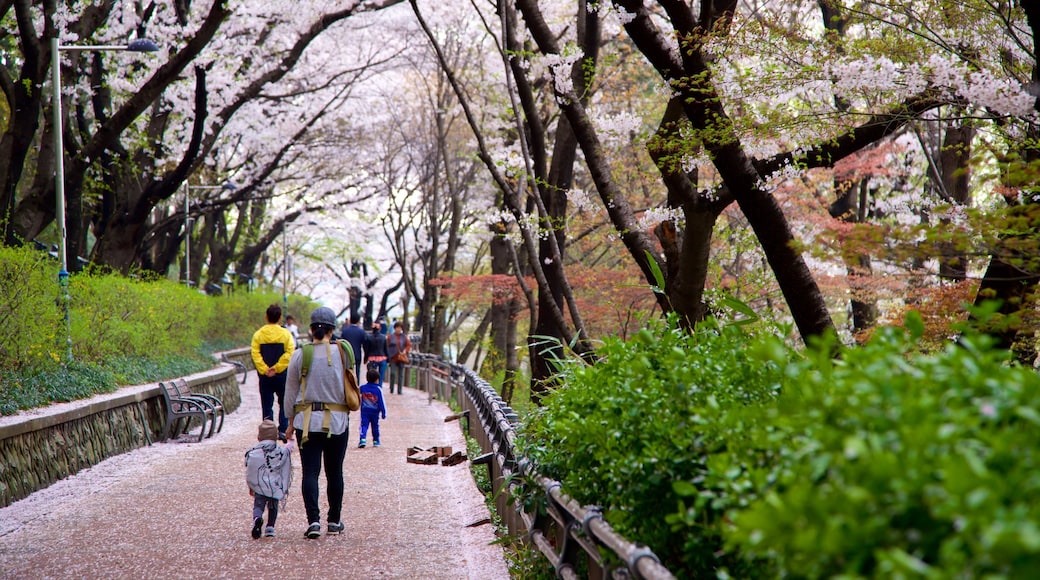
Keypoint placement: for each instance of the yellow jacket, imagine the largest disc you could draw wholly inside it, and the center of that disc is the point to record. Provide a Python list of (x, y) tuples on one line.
[(272, 348)]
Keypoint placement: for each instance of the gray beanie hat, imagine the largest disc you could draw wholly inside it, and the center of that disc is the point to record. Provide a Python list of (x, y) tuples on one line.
[(323, 315), (268, 431)]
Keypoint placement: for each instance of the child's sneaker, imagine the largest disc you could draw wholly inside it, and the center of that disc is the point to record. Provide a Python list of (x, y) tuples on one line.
[(361, 444), (376, 444), (269, 532), (313, 531), (257, 524), (334, 528)]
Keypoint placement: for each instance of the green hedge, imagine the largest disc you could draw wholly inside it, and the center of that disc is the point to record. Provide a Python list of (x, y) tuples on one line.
[(29, 312), (117, 316), (732, 455), (124, 330)]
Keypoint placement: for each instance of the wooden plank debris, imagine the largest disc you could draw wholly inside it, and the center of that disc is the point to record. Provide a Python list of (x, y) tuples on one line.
[(453, 459), (431, 455)]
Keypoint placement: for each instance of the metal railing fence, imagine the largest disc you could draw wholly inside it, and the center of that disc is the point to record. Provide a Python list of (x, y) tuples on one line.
[(576, 539)]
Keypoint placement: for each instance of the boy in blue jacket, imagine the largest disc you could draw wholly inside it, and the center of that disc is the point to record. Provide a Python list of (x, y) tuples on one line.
[(372, 406)]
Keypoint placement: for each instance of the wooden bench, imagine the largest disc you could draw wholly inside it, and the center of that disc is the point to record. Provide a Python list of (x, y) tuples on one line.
[(184, 391), (178, 409)]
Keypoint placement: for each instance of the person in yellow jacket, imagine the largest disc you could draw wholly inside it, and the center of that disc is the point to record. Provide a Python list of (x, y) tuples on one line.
[(272, 349)]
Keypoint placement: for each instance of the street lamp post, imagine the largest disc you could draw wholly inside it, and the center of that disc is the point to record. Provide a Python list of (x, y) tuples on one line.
[(285, 274), (188, 223), (139, 45)]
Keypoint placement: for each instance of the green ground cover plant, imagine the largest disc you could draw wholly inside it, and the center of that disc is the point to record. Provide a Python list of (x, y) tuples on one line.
[(733, 455)]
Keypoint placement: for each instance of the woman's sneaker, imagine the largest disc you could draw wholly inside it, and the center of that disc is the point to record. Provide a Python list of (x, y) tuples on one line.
[(269, 532), (313, 531), (361, 443), (334, 528), (258, 523)]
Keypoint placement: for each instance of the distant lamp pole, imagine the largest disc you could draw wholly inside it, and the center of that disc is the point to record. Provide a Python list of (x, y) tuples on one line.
[(139, 45), (285, 265), (188, 223)]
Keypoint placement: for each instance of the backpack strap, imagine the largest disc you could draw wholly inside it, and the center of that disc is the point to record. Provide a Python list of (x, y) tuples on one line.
[(307, 407), (308, 356)]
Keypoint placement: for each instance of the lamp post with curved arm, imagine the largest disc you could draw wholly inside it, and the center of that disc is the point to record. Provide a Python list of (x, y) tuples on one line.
[(139, 45)]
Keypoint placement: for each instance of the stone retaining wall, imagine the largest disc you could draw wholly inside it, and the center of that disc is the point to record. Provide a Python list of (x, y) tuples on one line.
[(42, 446)]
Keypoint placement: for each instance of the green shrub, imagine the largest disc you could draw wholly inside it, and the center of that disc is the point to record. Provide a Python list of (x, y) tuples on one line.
[(30, 317), (140, 370), (621, 433), (237, 317), (40, 388), (124, 330), (884, 464), (119, 316), (735, 456)]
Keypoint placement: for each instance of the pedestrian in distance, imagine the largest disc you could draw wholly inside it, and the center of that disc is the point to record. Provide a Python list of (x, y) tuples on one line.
[(315, 400), (290, 325), (375, 350), (272, 348), (269, 477), (397, 348), (355, 336), (372, 407)]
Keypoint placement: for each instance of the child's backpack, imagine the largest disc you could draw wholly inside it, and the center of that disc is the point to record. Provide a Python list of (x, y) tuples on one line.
[(264, 473)]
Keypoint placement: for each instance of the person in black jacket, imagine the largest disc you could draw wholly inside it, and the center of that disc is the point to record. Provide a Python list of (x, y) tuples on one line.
[(355, 335), (375, 350)]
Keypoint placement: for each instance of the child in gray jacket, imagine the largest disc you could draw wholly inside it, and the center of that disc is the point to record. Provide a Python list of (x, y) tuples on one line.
[(269, 476)]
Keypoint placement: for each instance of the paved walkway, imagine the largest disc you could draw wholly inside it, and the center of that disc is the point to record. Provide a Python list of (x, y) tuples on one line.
[(182, 510)]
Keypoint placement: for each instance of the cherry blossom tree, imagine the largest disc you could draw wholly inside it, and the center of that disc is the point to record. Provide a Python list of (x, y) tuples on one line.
[(243, 114)]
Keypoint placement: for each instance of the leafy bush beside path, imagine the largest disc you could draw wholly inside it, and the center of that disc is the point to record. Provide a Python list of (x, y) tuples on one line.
[(732, 455)]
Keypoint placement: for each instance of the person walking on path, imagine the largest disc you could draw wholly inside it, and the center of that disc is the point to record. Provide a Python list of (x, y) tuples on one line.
[(397, 348), (290, 325), (355, 335), (375, 350), (372, 406), (269, 477), (272, 347), (316, 402)]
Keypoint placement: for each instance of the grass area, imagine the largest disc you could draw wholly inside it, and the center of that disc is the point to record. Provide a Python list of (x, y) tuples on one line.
[(28, 388)]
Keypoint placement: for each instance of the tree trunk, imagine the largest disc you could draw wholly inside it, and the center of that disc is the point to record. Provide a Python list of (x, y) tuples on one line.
[(25, 99), (704, 109)]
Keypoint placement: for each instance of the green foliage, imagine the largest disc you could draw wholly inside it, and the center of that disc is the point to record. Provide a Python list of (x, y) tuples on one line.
[(29, 313), (524, 560), (733, 455), (235, 318), (27, 389), (624, 430), (140, 370), (74, 381), (118, 316), (124, 330), (888, 464)]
